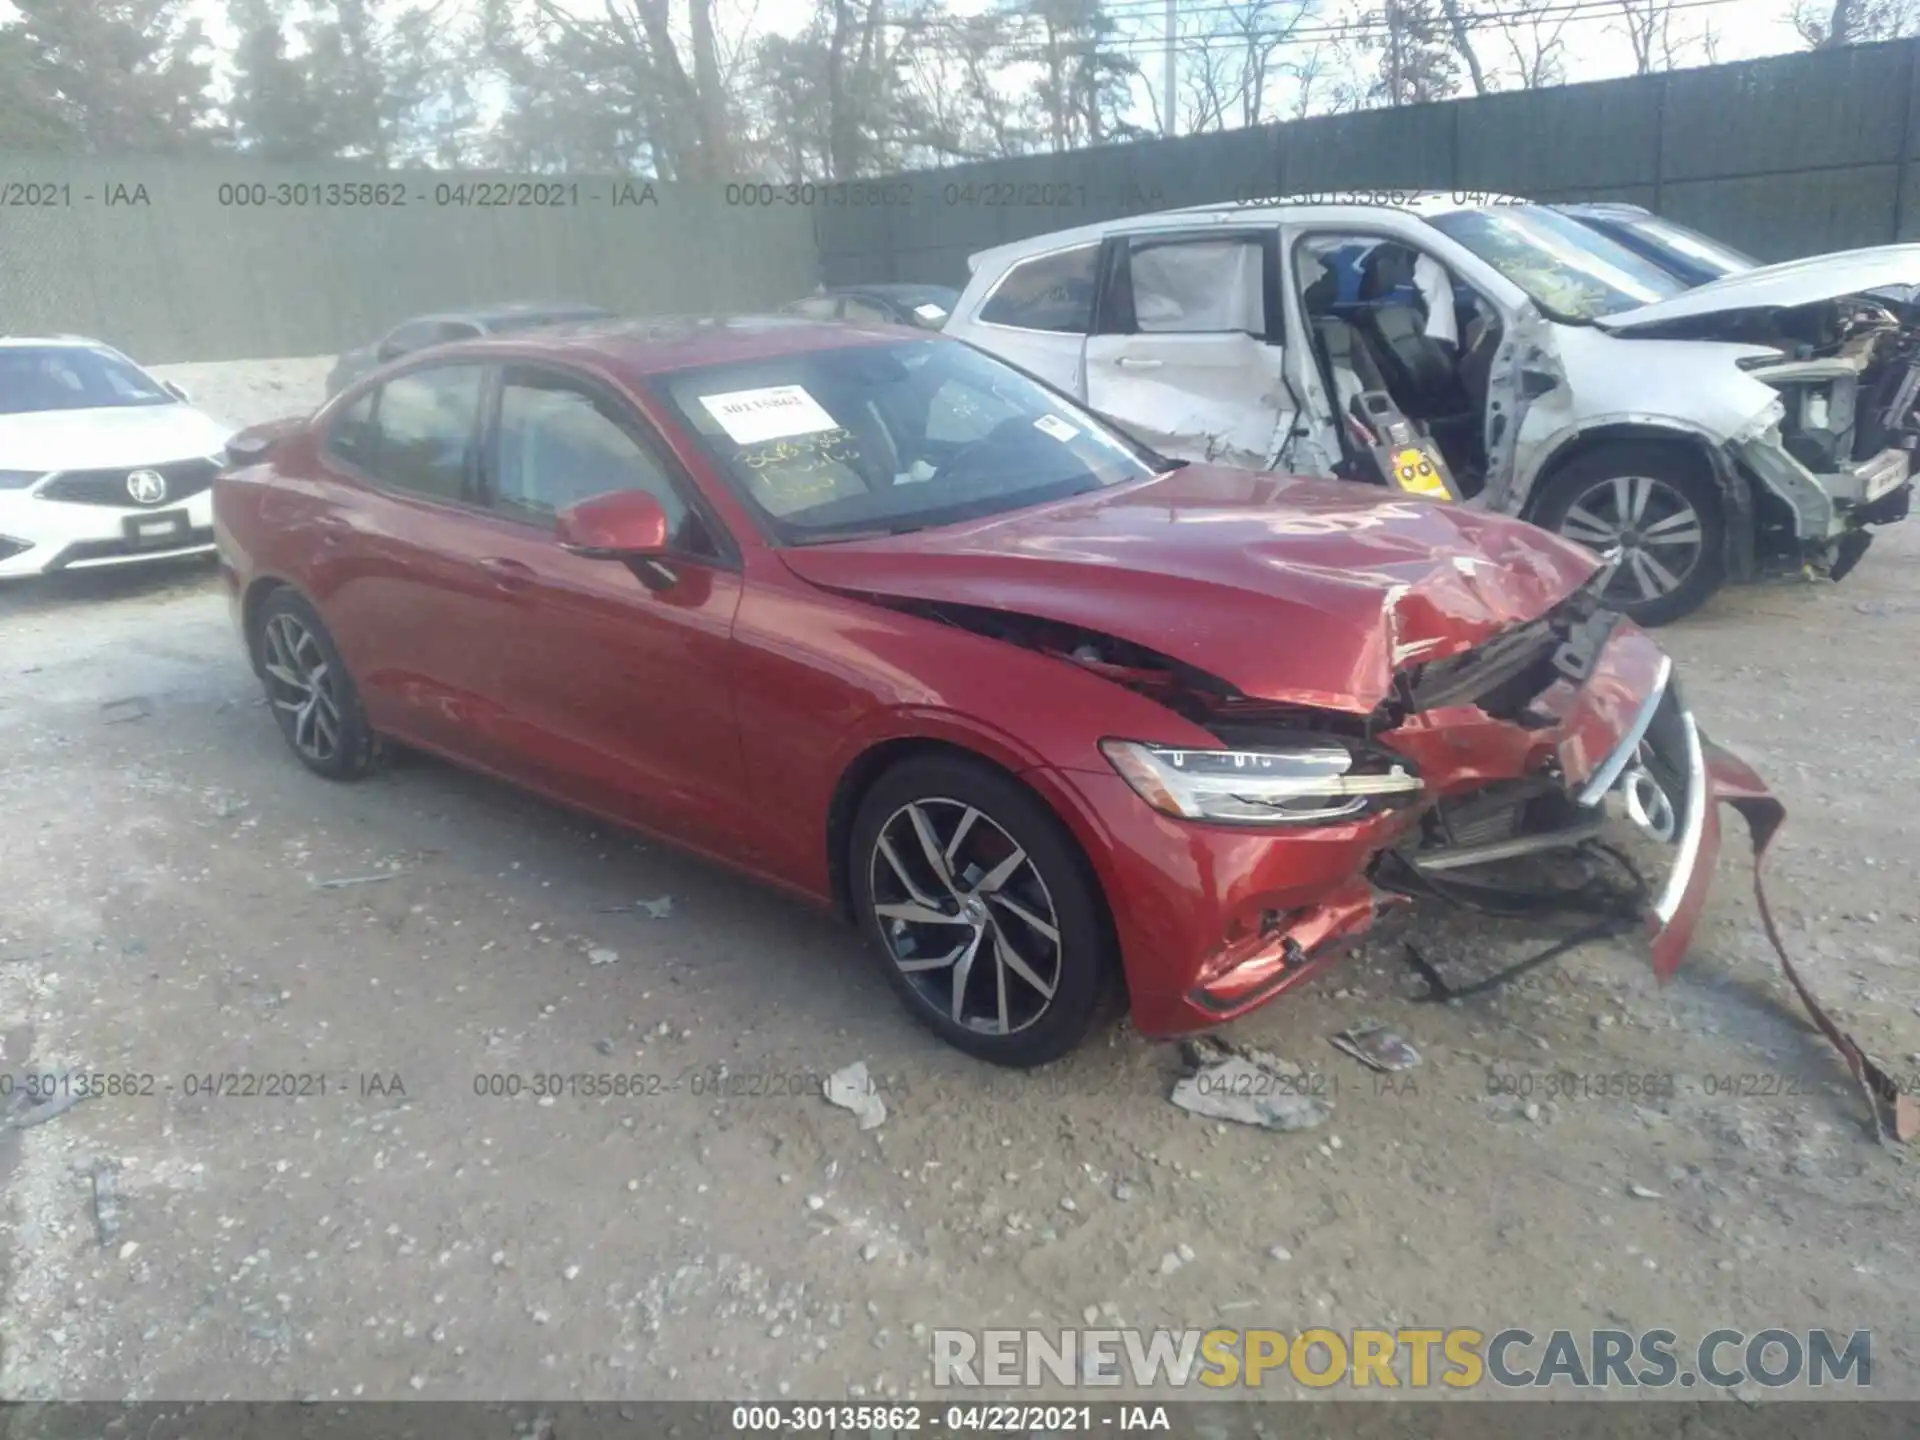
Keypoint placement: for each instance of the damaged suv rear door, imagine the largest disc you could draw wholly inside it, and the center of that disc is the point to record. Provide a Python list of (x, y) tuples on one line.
[(1188, 343)]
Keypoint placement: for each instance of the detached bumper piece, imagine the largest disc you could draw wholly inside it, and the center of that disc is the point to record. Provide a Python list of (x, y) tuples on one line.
[(1615, 781)]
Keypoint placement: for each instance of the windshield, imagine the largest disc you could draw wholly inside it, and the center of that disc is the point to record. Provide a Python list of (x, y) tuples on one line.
[(71, 377), (829, 444), (1674, 239), (1571, 271)]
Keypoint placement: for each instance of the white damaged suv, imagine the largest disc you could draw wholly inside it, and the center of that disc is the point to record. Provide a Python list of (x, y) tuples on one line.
[(1694, 435)]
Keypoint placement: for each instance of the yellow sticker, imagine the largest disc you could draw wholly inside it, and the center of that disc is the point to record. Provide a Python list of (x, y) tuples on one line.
[(1413, 471)]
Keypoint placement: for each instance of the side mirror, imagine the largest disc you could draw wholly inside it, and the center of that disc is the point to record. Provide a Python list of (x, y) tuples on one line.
[(174, 390), (625, 525)]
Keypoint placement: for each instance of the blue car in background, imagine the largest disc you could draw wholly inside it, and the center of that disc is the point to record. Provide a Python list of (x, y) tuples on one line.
[(1682, 251)]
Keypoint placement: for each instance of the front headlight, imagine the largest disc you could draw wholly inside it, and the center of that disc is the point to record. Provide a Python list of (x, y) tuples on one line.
[(1313, 783), (19, 479)]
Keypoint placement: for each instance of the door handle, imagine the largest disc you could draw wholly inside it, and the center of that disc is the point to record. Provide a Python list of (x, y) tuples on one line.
[(1135, 362), (508, 574)]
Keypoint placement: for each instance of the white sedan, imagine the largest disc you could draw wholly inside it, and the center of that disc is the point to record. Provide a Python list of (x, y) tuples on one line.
[(101, 463)]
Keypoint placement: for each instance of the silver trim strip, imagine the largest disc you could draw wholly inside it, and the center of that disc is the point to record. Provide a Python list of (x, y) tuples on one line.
[(1696, 822), (1468, 855), (1603, 779)]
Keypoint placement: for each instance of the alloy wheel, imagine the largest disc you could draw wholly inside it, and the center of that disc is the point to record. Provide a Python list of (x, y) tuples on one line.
[(1650, 533), (300, 684), (965, 915)]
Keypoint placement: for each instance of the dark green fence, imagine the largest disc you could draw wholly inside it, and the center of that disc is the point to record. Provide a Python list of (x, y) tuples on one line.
[(1781, 157)]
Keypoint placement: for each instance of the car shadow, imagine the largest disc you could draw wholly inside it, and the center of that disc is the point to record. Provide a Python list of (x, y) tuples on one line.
[(42, 594)]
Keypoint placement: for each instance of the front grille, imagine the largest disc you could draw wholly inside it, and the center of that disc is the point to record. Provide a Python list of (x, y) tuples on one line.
[(113, 549), (109, 487)]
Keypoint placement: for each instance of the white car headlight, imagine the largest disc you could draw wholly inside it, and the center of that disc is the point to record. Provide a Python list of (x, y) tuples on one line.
[(1314, 783)]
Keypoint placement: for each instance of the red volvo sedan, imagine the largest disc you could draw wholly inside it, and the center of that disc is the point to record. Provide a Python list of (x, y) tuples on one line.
[(878, 619)]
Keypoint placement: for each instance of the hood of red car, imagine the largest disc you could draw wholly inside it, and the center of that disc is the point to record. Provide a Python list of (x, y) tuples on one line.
[(1304, 592)]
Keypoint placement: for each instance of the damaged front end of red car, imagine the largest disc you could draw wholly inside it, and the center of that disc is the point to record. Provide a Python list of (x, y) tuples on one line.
[(1564, 774)]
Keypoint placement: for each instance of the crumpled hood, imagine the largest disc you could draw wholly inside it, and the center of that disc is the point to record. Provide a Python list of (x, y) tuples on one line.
[(1784, 286), (1304, 592)]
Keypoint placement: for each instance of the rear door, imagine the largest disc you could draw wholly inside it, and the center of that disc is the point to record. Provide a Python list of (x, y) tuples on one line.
[(1188, 346), (399, 545), (1038, 314)]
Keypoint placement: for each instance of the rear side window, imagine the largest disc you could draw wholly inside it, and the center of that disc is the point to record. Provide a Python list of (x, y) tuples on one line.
[(423, 431), (351, 436), (1049, 292)]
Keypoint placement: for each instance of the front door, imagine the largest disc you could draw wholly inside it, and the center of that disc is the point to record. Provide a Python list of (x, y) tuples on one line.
[(1187, 351), (617, 679)]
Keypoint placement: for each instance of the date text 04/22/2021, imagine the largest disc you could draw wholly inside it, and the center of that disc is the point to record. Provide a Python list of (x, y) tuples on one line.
[(972, 1418)]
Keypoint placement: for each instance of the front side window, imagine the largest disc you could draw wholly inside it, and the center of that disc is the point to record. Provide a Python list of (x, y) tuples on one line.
[(1568, 269), (560, 443), (424, 431), (831, 443), (1049, 292), (73, 377)]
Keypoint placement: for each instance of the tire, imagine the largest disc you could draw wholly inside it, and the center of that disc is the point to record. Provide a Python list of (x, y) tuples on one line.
[(313, 698), (1655, 487), (981, 928)]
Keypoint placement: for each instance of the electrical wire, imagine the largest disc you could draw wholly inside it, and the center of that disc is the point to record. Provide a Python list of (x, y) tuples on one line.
[(1367, 27)]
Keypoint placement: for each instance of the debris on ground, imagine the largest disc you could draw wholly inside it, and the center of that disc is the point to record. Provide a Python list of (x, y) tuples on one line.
[(658, 909), (1248, 1086), (119, 712), (1641, 1192), (349, 880), (601, 955), (1376, 1047), (61, 1094), (106, 1203), (851, 1088)]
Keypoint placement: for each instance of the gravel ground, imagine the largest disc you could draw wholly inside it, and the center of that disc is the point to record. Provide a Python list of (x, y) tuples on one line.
[(406, 1234)]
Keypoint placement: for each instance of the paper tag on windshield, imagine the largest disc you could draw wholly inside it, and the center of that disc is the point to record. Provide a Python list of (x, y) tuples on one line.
[(930, 312), (775, 413), (1056, 427)]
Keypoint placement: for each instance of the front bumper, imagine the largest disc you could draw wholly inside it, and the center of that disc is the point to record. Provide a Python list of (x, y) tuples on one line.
[(1215, 921), (40, 536)]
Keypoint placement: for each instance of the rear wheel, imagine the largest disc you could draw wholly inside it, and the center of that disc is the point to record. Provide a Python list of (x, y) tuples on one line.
[(989, 926), (312, 695), (1652, 508)]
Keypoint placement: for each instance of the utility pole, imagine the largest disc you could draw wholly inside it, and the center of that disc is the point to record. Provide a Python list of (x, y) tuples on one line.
[(1171, 124)]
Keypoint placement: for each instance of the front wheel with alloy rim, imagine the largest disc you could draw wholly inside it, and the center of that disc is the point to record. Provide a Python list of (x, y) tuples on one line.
[(1654, 511), (312, 695), (989, 925)]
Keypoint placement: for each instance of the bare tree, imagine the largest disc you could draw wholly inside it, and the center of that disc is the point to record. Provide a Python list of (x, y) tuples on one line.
[(1461, 33), (1660, 38), (678, 85), (1829, 24)]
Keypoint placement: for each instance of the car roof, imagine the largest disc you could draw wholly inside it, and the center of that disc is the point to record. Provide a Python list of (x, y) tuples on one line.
[(74, 342), (1323, 206), (895, 290), (513, 310), (636, 348), (1603, 207)]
